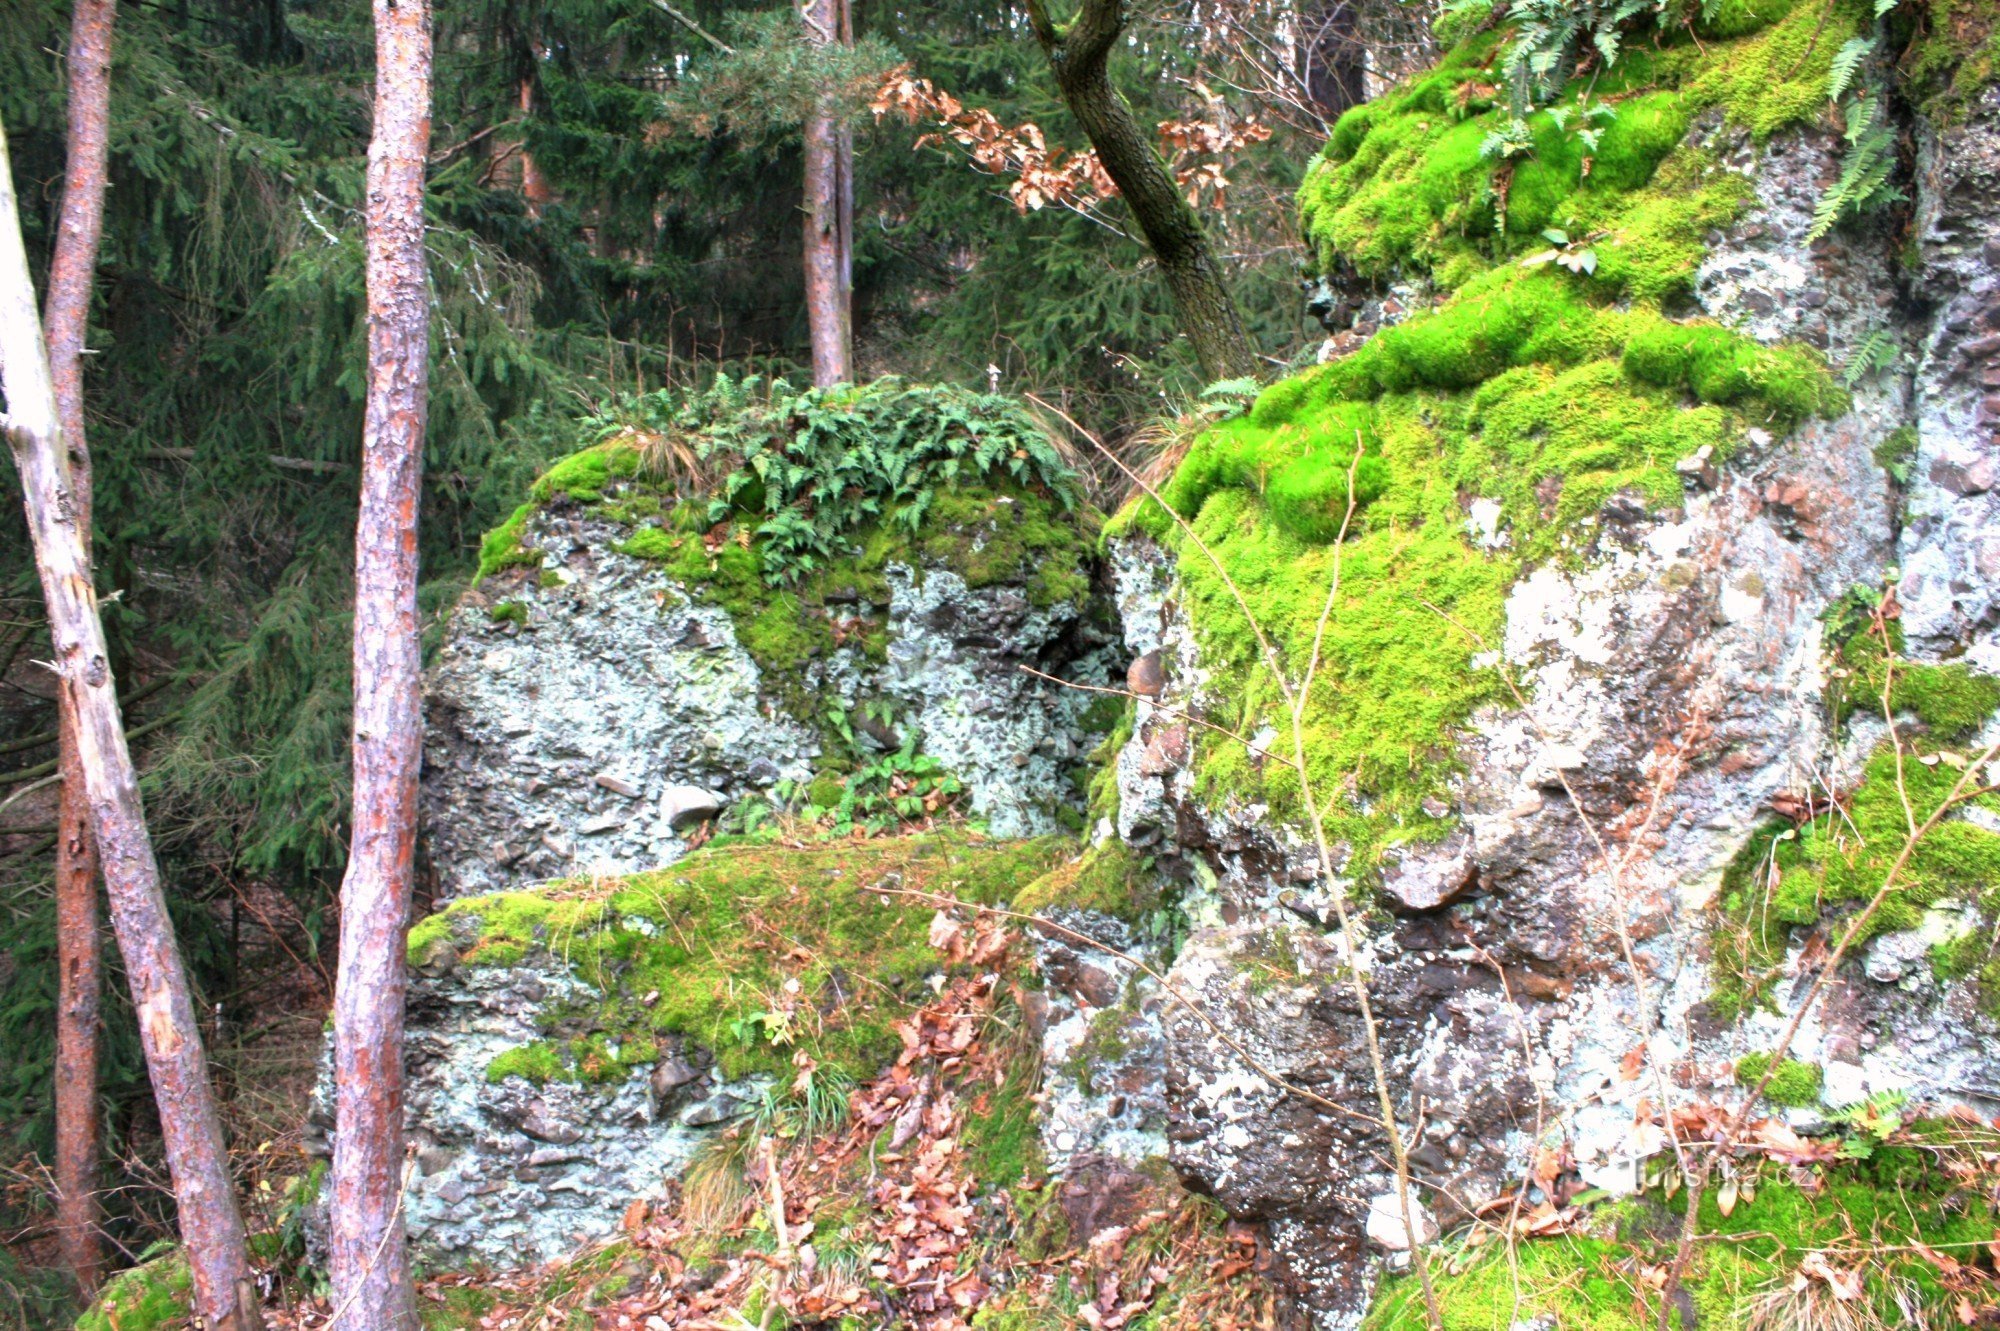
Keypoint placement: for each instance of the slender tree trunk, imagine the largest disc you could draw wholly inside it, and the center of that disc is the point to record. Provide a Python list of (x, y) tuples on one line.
[(211, 1228), (77, 953), (829, 248), (1079, 56), (1335, 59), (370, 1267)]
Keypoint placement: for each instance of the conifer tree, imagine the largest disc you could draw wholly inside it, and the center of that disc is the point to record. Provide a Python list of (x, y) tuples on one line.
[(211, 1227), (829, 182), (77, 955), (369, 1265)]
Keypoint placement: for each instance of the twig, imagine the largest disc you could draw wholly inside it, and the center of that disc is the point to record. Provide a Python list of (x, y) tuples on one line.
[(1256, 750), (695, 28)]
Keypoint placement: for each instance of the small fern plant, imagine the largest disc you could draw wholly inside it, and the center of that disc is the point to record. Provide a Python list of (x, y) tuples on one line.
[(813, 467)]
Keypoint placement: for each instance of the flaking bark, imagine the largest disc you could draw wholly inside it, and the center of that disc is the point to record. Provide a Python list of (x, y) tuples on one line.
[(829, 220), (1079, 56), (211, 1227), (78, 959), (367, 1255)]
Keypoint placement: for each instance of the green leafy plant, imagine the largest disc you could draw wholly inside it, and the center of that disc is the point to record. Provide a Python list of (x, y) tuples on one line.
[(1575, 255), (1875, 353), (813, 467), (1864, 183)]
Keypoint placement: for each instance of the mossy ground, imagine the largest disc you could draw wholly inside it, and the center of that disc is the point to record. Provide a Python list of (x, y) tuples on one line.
[(1865, 1215), (1542, 392), (752, 952)]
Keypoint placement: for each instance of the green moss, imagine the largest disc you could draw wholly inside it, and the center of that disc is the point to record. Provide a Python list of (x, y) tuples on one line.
[(1001, 1134), (453, 1307), (509, 612), (1830, 866), (1954, 57), (704, 950), (1110, 878), (582, 477), (501, 548), (151, 1295), (539, 1063), (648, 543), (1795, 1084), (1721, 366), (1867, 1213), (1403, 182), (1896, 452), (1529, 397)]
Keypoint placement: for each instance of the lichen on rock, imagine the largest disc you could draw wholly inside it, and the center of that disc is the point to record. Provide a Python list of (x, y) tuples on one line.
[(661, 616)]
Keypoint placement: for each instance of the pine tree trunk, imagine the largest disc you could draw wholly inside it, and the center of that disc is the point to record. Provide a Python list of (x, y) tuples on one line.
[(829, 207), (367, 1256), (78, 959), (1079, 56), (211, 1228)]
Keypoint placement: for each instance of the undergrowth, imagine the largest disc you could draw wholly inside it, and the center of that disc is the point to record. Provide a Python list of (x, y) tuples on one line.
[(1895, 1230), (753, 952)]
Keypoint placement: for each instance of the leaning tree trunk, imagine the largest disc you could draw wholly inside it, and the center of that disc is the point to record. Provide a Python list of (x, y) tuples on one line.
[(369, 1264), (829, 222), (78, 960), (1079, 56), (211, 1228)]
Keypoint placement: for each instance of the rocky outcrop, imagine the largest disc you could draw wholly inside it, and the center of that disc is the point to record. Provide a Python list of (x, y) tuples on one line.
[(1592, 728), (589, 716), (1673, 676)]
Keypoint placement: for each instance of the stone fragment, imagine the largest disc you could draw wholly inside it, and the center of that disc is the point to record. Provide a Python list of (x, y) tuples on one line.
[(1420, 878), (1385, 1223), (682, 807), (1146, 676), (1166, 751), (672, 1073), (709, 1112), (1964, 479), (617, 785), (1697, 471)]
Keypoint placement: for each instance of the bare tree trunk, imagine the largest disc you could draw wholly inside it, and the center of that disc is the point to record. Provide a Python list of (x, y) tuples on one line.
[(78, 960), (1335, 59), (211, 1228), (370, 1265), (829, 206), (1079, 56)]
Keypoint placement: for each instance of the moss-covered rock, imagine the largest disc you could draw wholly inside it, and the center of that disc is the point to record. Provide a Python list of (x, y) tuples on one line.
[(153, 1295), (750, 604)]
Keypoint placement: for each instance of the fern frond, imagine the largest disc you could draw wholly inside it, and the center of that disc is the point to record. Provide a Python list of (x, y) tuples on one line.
[(1846, 64)]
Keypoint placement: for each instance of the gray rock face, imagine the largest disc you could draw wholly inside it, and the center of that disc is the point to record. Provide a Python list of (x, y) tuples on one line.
[(1674, 678), (508, 1173), (1950, 548), (596, 734)]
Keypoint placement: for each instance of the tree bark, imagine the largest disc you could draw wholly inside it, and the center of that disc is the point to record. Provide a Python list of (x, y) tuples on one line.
[(211, 1228), (78, 959), (367, 1256), (1079, 56), (1335, 60), (829, 207)]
